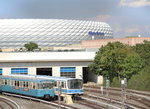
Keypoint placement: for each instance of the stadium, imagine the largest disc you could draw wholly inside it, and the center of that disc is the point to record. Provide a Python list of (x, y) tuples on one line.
[(14, 33)]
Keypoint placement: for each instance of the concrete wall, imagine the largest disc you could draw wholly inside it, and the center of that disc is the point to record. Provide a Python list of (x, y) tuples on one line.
[(79, 72)]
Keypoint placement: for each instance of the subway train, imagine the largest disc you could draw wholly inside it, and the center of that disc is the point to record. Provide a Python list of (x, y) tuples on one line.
[(36, 87), (64, 85), (68, 86)]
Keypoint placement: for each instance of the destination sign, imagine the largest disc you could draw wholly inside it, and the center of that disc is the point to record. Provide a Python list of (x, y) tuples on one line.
[(95, 33)]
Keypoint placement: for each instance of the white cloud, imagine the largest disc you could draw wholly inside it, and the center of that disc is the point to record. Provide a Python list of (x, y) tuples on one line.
[(134, 3), (101, 18)]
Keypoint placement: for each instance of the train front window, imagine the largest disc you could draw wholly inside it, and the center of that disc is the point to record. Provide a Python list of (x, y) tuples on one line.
[(75, 84)]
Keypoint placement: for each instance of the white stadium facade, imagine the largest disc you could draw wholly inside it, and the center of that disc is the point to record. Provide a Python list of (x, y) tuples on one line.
[(14, 33)]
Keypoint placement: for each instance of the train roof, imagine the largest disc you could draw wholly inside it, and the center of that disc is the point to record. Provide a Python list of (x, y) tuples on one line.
[(46, 77), (33, 79)]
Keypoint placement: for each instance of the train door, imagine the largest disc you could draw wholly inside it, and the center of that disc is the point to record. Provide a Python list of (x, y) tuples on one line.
[(85, 74)]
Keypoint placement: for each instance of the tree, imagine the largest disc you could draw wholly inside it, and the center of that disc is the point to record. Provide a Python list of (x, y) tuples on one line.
[(116, 60), (140, 81), (31, 46), (143, 50)]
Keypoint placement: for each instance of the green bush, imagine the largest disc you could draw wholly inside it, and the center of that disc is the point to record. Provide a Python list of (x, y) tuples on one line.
[(140, 81), (116, 82)]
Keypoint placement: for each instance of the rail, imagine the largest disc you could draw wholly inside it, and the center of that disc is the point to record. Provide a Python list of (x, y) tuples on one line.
[(11, 101), (35, 99)]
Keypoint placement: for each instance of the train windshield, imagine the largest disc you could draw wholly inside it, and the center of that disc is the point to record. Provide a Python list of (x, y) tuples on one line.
[(75, 84)]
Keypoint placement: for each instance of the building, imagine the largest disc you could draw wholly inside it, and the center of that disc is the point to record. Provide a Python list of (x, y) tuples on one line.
[(84, 36), (87, 44), (64, 64), (14, 33), (69, 64)]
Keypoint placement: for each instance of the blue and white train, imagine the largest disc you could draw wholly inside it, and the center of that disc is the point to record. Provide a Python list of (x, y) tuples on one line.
[(69, 86), (36, 87)]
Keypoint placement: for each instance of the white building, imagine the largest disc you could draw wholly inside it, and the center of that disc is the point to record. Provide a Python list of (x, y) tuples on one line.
[(68, 64)]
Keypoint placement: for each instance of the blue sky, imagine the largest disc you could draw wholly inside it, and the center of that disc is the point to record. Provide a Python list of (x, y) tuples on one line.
[(126, 17)]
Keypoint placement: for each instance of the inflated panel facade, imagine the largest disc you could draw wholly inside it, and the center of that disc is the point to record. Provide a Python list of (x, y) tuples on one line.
[(14, 33)]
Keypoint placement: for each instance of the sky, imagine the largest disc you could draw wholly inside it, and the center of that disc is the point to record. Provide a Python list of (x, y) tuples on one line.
[(126, 17)]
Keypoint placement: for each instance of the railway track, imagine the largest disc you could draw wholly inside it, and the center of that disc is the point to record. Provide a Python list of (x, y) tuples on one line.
[(131, 95), (118, 89), (6, 103), (82, 102), (53, 104)]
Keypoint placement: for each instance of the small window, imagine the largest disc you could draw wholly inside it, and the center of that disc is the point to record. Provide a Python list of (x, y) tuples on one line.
[(5, 82), (8, 82), (19, 71), (68, 72), (24, 84), (12, 82), (20, 83), (33, 85), (62, 85), (30, 85), (27, 84), (1, 71), (17, 83)]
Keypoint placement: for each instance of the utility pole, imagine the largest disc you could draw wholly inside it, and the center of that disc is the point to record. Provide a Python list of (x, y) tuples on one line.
[(107, 87), (59, 93), (123, 92), (100, 81)]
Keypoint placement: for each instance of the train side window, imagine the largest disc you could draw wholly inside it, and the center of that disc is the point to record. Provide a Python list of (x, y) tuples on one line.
[(29, 85), (33, 85), (36, 86), (24, 83), (12, 82), (62, 85), (8, 82), (58, 83), (17, 83), (3, 82), (20, 83), (55, 84)]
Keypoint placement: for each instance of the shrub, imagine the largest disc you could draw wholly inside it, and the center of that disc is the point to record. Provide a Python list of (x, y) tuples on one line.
[(116, 82)]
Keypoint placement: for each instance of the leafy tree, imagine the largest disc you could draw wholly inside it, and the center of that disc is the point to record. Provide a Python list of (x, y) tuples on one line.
[(143, 50), (116, 60), (31, 46), (131, 65), (140, 81)]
